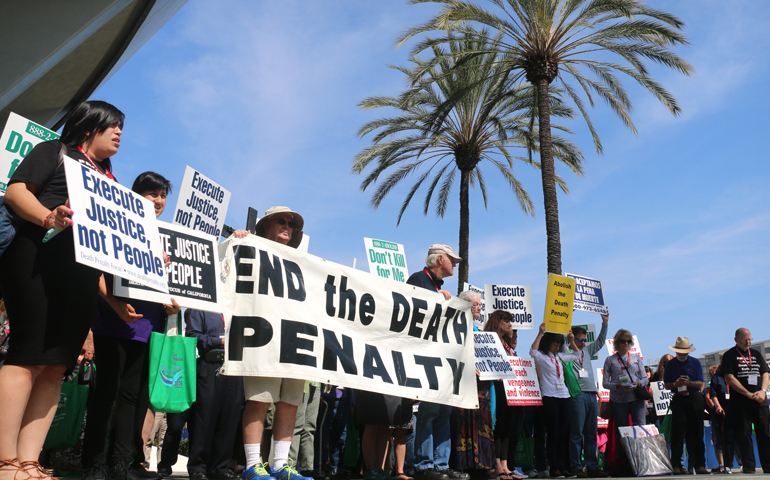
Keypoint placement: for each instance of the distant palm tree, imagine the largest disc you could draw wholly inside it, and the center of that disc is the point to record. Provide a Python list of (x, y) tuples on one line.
[(545, 39), (487, 116)]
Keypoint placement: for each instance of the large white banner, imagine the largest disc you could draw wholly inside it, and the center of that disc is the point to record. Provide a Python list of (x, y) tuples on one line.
[(18, 139), (294, 315), (202, 204), (114, 228)]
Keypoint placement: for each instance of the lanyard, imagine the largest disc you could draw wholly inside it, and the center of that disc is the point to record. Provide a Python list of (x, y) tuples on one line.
[(508, 348), (681, 373), (582, 356), (431, 278), (106, 171), (223, 321), (625, 367), (555, 362), (750, 362)]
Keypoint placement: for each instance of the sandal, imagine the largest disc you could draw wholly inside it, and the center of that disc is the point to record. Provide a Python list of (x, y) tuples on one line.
[(402, 476), (37, 471), (10, 465)]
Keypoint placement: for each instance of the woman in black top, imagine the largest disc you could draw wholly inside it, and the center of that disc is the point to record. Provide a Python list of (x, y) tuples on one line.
[(51, 298)]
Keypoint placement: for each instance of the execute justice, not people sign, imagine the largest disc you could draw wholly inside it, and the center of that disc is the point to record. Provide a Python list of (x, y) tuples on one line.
[(202, 204)]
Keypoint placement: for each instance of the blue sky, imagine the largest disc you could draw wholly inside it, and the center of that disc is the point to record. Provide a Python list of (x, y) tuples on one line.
[(262, 98)]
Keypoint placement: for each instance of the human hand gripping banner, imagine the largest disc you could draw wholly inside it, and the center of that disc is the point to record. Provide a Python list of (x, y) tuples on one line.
[(293, 315)]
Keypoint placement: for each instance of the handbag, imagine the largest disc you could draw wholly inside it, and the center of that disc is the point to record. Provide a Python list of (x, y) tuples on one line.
[(640, 392), (68, 420), (525, 452), (8, 221), (172, 370), (570, 379), (648, 455), (605, 411)]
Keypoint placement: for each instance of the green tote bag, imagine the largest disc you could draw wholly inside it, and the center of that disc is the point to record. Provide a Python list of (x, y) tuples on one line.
[(172, 370)]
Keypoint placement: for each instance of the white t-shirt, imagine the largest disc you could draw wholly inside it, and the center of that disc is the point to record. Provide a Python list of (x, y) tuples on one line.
[(550, 372)]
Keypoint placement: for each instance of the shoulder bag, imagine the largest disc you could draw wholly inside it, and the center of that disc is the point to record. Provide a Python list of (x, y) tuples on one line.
[(172, 370)]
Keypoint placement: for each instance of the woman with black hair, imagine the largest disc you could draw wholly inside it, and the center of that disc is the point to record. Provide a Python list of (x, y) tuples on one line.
[(121, 331), (545, 351), (50, 296)]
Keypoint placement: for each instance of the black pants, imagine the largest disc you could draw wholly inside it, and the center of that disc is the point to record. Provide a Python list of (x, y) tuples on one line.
[(119, 399), (175, 423), (214, 420), (534, 426), (556, 412), (746, 412), (687, 425)]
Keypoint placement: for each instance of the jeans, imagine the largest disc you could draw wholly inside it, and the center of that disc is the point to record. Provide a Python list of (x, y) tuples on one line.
[(433, 439), (335, 430), (583, 431)]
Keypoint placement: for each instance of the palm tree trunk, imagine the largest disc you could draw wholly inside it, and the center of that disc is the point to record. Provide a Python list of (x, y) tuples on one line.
[(549, 184), (465, 218)]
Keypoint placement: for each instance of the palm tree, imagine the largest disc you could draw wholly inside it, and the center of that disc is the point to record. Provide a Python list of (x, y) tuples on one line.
[(567, 42), (487, 116)]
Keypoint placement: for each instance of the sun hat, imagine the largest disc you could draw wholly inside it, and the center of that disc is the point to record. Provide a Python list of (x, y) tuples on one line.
[(445, 250), (682, 345), (296, 235)]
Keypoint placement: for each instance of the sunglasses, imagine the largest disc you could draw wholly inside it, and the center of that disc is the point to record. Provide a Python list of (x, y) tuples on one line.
[(625, 341), (581, 340), (282, 222)]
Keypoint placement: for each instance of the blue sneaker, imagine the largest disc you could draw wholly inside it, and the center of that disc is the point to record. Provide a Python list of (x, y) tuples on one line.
[(287, 472), (257, 472)]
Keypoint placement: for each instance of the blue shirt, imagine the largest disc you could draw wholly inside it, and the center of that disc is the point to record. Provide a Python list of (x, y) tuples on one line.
[(691, 367), (208, 328), (425, 279)]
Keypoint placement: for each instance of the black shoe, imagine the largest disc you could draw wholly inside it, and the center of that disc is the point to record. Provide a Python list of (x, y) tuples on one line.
[(702, 471), (455, 475), (164, 471), (198, 476), (430, 474), (142, 472), (97, 472), (228, 475), (681, 471), (121, 470)]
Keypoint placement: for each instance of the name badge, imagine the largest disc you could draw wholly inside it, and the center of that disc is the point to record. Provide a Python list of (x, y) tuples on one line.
[(727, 396), (753, 379), (683, 388), (583, 373), (559, 384)]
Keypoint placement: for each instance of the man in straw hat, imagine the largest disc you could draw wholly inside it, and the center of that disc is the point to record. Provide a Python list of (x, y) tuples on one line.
[(746, 372), (684, 377), (282, 225)]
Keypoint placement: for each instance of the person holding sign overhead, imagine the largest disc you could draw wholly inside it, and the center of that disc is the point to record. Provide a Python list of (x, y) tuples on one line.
[(545, 351), (51, 297), (623, 374)]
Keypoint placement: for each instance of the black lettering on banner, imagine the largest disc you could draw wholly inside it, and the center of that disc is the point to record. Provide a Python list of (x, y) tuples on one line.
[(448, 315), (431, 330), (348, 295), (429, 364), (290, 343), (244, 269), (366, 309), (403, 380), (294, 272), (263, 333), (457, 374), (372, 357), (331, 290), (399, 302), (460, 325), (270, 273), (418, 315), (333, 352)]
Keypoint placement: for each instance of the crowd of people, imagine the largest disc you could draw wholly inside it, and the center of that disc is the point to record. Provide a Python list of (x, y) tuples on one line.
[(63, 314)]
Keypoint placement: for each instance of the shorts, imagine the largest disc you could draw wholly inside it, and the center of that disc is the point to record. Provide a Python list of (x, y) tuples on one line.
[(271, 390)]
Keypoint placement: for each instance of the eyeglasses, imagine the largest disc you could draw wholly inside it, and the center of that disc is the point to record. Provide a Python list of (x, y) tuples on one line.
[(581, 340), (625, 341), (282, 222)]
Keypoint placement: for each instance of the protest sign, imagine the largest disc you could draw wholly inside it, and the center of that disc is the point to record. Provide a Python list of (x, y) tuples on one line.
[(202, 204), (515, 299), (636, 349), (115, 230), (588, 294), (602, 422), (294, 315), (662, 398), (558, 304), (482, 320), (193, 276), (19, 138), (604, 394), (491, 359), (386, 259), (524, 388)]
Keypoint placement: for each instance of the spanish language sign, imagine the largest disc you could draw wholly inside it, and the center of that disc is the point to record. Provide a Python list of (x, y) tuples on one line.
[(115, 229), (515, 299), (634, 350), (558, 304), (604, 394), (193, 277), (386, 259), (19, 137), (202, 204), (662, 398), (482, 320), (491, 359), (524, 388), (588, 294), (294, 315)]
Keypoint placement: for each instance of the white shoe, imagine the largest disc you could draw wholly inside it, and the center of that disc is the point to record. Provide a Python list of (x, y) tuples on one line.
[(519, 473)]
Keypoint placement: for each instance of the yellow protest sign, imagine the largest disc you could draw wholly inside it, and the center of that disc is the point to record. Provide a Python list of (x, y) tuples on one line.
[(558, 304)]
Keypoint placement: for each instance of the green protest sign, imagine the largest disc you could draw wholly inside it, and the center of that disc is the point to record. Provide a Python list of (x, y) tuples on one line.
[(19, 138)]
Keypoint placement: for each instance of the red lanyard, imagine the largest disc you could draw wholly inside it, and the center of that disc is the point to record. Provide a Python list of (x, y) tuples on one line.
[(622, 367), (582, 356), (555, 362), (106, 171), (508, 348), (223, 321), (750, 362), (431, 278), (681, 373)]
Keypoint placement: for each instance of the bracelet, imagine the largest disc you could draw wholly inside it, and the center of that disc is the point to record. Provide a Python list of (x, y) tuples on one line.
[(45, 221)]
